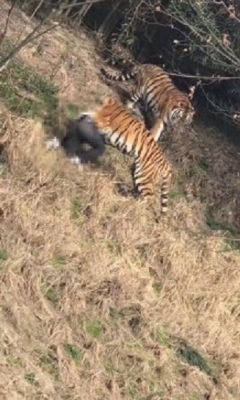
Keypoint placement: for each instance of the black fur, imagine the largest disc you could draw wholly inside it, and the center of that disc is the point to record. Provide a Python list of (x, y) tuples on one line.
[(83, 131)]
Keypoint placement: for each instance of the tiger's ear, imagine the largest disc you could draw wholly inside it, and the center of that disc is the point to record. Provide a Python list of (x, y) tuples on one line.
[(182, 103)]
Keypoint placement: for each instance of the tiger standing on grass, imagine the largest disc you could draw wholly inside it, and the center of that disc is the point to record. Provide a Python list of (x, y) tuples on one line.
[(114, 125), (168, 105)]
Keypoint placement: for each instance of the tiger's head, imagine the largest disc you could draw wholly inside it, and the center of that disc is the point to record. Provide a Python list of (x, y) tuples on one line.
[(181, 114)]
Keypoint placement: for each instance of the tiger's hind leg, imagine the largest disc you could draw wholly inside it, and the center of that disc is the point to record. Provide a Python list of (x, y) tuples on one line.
[(157, 129), (143, 186), (146, 188), (134, 103)]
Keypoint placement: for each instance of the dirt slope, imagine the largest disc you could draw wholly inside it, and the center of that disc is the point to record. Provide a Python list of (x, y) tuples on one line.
[(97, 300)]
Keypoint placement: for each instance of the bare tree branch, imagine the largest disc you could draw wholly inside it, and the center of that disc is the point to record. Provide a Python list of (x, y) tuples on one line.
[(3, 34), (230, 9), (29, 38), (208, 78), (80, 4)]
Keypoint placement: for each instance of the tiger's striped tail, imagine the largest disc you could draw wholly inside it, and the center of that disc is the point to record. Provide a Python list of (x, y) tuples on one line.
[(121, 77), (165, 191)]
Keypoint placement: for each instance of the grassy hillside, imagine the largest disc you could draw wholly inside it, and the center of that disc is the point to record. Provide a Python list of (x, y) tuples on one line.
[(97, 301)]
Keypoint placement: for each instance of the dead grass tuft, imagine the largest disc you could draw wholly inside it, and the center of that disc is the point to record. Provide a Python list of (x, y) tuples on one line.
[(97, 300)]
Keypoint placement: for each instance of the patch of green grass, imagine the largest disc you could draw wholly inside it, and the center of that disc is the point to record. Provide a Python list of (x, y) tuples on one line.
[(72, 111), (133, 388), (203, 164), (113, 247), (58, 260), (237, 396), (74, 351), (2, 159), (49, 291), (132, 315), (232, 242), (28, 94), (113, 313), (132, 391), (14, 360), (193, 357), (51, 294), (3, 255), (45, 359), (94, 328), (157, 287), (161, 337), (191, 172), (130, 312), (154, 389), (177, 194), (48, 362), (110, 368), (195, 396), (216, 225), (30, 377), (226, 247), (76, 209)]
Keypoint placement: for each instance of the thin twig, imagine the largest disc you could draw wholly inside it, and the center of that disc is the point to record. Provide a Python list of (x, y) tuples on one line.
[(3, 34), (209, 78), (80, 4), (231, 13), (29, 38)]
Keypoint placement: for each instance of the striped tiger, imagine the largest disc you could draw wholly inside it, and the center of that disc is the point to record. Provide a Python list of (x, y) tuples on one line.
[(118, 128), (169, 106)]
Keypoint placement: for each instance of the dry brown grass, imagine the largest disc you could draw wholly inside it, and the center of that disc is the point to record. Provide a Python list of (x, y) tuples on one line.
[(96, 298)]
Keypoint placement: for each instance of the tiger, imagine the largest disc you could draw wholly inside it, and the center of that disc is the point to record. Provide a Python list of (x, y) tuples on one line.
[(168, 105), (117, 127)]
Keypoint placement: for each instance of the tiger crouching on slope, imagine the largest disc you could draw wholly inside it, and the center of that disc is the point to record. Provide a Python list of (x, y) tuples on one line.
[(114, 125), (168, 105)]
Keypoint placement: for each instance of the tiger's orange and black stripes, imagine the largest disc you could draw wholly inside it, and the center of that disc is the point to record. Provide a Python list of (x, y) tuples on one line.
[(169, 106), (121, 130)]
